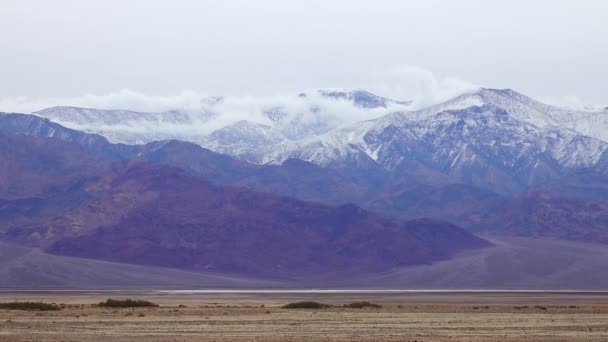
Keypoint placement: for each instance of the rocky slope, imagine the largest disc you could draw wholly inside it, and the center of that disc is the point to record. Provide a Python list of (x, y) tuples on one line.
[(500, 140), (469, 206), (491, 141), (158, 215)]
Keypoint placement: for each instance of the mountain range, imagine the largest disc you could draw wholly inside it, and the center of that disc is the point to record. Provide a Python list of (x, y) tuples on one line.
[(495, 139), (298, 192), (67, 201)]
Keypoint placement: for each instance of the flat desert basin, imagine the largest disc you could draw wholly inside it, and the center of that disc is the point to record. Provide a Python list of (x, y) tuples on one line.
[(241, 315)]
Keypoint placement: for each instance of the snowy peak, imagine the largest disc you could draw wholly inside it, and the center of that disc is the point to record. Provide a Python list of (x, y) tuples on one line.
[(494, 138), (517, 105), (523, 108), (88, 116), (590, 123), (361, 98), (126, 126), (295, 117), (500, 140), (245, 132)]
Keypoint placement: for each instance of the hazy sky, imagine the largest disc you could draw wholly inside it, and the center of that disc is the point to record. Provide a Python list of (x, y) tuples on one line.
[(64, 48)]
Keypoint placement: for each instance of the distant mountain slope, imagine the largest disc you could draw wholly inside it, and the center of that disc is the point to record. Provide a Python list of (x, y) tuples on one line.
[(360, 97), (512, 264), (16, 123), (32, 165), (545, 215), (184, 223), (492, 161), (488, 131), (469, 206), (592, 123), (294, 178), (500, 140), (482, 146), (464, 205), (28, 268), (123, 126), (158, 215), (86, 116), (586, 184)]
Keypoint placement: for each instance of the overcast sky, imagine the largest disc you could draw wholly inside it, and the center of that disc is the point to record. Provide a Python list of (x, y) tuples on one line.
[(64, 48)]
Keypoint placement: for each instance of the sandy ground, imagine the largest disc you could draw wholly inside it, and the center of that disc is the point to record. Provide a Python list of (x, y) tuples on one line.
[(255, 317)]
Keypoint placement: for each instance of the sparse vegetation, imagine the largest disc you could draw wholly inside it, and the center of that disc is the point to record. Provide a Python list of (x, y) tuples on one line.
[(40, 306), (127, 303), (363, 305), (456, 319), (305, 305)]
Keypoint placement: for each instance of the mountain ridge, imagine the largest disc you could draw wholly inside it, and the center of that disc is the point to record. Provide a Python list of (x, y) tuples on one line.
[(158, 215), (404, 197)]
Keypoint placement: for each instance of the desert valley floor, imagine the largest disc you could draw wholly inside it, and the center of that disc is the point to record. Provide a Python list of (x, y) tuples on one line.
[(409, 316)]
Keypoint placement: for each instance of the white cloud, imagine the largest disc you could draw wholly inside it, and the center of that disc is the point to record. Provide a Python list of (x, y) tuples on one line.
[(401, 82), (207, 114), (421, 86), (123, 99)]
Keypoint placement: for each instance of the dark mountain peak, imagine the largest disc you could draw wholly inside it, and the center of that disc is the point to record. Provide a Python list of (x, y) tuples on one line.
[(14, 123), (22, 119), (361, 98)]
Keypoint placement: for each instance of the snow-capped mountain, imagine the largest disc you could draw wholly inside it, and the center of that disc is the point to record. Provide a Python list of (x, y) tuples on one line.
[(232, 125), (266, 124), (11, 123), (243, 138), (125, 126), (361, 98), (497, 139), (85, 116), (593, 123)]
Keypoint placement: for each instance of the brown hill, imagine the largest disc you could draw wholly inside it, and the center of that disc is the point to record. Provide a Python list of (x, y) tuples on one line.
[(159, 215)]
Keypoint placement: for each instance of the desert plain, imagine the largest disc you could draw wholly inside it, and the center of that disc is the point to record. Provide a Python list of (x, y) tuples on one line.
[(259, 316)]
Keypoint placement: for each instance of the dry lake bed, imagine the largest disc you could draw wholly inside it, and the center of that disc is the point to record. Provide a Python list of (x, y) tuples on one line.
[(258, 316)]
